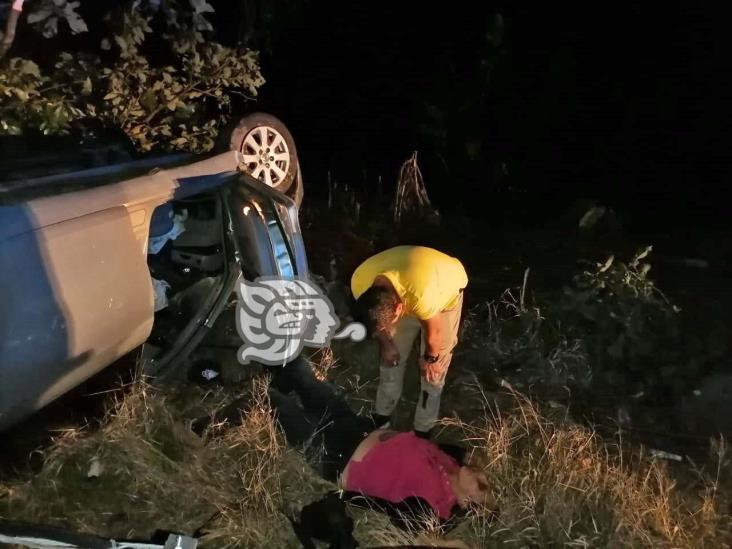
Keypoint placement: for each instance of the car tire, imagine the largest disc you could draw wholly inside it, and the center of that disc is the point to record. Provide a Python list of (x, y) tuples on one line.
[(267, 148)]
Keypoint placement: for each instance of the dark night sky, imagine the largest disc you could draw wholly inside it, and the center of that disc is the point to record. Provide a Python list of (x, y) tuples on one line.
[(628, 103), (624, 102)]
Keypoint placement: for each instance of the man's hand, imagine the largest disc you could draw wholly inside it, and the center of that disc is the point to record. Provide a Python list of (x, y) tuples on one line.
[(431, 371), (388, 352)]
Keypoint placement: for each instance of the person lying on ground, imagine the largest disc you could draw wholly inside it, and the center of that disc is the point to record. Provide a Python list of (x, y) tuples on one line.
[(414, 480)]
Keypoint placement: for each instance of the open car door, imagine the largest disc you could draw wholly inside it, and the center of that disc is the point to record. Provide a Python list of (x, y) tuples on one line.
[(263, 238)]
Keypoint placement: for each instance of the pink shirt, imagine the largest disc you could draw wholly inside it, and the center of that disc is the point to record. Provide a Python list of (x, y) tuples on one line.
[(403, 466)]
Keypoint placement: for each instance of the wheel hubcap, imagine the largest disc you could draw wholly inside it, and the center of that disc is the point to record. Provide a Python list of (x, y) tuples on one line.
[(265, 155)]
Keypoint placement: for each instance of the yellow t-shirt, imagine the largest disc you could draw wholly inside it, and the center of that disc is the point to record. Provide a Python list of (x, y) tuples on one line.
[(427, 281)]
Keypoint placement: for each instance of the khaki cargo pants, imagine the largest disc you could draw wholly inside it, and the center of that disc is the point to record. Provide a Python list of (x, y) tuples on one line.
[(391, 378)]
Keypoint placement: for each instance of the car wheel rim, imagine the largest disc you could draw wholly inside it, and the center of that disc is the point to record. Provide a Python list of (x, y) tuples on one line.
[(265, 155)]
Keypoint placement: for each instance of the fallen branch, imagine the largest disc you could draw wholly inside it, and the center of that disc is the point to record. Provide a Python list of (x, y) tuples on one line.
[(411, 194)]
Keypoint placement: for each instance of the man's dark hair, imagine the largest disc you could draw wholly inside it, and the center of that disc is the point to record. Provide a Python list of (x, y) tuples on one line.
[(375, 308)]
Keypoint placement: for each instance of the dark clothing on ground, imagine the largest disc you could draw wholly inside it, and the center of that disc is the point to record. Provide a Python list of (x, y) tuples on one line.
[(323, 424), (329, 431)]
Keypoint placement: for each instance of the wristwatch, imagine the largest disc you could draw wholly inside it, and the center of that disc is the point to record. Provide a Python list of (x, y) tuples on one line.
[(431, 358)]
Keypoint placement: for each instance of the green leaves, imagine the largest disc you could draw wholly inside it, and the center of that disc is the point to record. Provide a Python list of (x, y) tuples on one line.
[(640, 254), (22, 103), (40, 14), (201, 6), (134, 29), (629, 326), (200, 23), (75, 22), (178, 106), (608, 263), (26, 66), (47, 14)]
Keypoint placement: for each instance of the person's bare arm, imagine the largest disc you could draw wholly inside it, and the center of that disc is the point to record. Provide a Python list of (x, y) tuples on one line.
[(432, 328), (386, 435), (388, 352)]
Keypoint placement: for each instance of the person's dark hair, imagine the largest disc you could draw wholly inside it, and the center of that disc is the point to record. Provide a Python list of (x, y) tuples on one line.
[(375, 308)]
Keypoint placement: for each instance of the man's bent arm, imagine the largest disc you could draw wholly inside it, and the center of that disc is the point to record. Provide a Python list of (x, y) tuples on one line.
[(432, 335)]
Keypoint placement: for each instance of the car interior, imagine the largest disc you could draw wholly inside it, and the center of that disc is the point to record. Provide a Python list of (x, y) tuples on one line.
[(188, 267)]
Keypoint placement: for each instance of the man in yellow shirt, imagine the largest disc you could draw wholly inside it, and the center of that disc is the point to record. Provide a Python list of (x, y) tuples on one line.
[(399, 293)]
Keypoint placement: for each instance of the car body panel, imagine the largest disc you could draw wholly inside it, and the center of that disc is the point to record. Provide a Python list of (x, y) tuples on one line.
[(75, 289), (140, 195), (70, 306)]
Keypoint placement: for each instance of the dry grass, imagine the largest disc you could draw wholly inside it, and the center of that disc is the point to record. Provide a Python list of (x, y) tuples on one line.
[(245, 479), (557, 484), (509, 334), (374, 529), (157, 474), (146, 456), (322, 361)]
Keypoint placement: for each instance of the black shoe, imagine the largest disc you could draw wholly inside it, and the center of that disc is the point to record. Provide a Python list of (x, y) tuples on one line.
[(423, 434), (380, 422)]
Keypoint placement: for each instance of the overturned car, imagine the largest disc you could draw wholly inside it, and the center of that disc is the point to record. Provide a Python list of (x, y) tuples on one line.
[(100, 259)]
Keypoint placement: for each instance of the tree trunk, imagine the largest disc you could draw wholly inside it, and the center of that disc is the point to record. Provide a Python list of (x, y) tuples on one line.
[(10, 27)]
